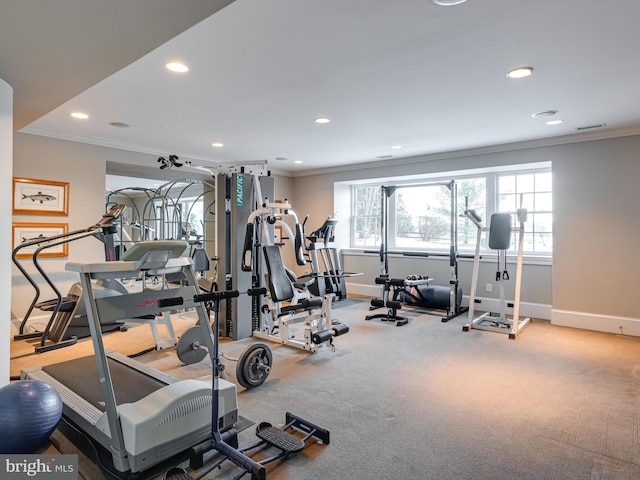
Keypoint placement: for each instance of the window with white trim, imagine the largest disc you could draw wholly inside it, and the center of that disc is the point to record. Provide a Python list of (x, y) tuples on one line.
[(532, 191), (420, 213)]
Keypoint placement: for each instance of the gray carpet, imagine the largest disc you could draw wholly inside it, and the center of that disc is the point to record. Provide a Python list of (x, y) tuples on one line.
[(348, 302), (428, 401)]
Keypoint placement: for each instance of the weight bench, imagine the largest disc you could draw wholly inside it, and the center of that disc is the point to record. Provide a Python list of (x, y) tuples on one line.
[(286, 310), (399, 286), (392, 304)]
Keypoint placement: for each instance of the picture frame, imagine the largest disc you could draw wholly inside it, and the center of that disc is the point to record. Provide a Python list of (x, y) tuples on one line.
[(40, 197), (26, 231)]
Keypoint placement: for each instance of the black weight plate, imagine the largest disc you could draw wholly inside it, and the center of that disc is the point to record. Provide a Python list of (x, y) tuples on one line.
[(254, 365)]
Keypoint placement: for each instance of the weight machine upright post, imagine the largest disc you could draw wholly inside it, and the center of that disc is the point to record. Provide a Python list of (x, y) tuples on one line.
[(386, 192), (453, 261), (234, 203), (516, 301)]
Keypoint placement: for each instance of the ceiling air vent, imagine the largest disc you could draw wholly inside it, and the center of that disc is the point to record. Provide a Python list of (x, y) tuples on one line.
[(591, 127), (382, 157)]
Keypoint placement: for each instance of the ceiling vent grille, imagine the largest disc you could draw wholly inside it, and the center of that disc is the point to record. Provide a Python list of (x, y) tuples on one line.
[(591, 127)]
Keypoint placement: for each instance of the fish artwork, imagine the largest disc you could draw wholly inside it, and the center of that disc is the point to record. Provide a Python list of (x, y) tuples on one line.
[(39, 197), (39, 237)]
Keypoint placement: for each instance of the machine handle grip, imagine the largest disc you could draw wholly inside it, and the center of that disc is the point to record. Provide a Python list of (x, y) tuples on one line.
[(212, 296), (247, 249), (170, 302), (298, 241), (255, 292)]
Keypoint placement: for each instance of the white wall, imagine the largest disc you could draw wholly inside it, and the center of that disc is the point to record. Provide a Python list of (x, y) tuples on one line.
[(319, 195), (595, 266), (596, 232), (83, 166), (6, 163)]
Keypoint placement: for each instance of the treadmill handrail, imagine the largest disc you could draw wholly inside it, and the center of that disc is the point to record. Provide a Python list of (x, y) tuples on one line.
[(119, 453)]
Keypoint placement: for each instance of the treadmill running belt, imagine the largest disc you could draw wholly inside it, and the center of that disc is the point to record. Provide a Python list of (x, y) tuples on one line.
[(81, 376)]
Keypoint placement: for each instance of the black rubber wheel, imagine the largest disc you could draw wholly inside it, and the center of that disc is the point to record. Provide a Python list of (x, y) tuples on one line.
[(254, 365), (189, 347)]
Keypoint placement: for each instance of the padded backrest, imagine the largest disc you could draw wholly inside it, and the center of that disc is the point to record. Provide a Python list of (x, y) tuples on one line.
[(280, 286), (200, 260), (500, 231)]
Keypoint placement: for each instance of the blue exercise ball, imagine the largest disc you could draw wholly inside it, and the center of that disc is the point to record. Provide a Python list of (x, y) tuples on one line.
[(29, 413)]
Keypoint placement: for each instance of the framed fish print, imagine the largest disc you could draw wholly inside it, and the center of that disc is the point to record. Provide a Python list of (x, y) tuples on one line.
[(30, 232), (40, 197)]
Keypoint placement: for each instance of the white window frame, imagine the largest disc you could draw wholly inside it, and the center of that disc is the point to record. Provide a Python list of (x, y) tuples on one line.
[(491, 204)]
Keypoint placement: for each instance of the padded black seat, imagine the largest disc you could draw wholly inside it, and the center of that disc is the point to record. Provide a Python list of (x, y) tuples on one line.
[(280, 287)]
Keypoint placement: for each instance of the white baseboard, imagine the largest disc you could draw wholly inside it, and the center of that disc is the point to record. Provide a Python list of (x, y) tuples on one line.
[(365, 290), (15, 327), (35, 323), (533, 310), (597, 322)]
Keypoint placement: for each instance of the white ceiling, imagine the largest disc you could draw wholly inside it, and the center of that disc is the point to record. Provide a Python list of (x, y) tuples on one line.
[(386, 72), (52, 50)]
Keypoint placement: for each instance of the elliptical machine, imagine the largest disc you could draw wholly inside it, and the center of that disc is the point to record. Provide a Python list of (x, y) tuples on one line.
[(68, 319)]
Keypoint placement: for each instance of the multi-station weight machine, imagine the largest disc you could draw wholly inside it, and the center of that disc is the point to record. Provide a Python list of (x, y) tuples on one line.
[(249, 258)]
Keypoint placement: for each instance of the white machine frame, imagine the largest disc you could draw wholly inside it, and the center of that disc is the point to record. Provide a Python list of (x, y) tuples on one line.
[(171, 419), (314, 319), (489, 321)]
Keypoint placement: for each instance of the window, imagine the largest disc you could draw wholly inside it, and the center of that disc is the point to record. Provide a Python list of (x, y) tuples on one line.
[(367, 214), (533, 192), (420, 214)]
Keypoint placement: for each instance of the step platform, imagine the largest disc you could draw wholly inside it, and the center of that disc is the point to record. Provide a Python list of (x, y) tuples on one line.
[(279, 438)]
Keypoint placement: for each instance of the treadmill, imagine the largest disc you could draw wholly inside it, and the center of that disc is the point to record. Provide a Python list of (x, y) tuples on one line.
[(140, 415)]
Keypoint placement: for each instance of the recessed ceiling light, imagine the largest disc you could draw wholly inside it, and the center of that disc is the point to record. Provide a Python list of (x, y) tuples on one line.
[(217, 144), (554, 122), (80, 115), (177, 67), (297, 161), (546, 113), (119, 124), (520, 72), (322, 120), (448, 3), (396, 147)]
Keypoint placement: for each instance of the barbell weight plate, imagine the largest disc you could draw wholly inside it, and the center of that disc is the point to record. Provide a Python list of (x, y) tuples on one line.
[(189, 348), (254, 365)]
